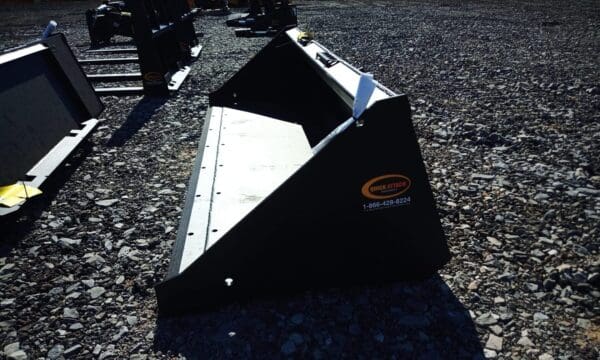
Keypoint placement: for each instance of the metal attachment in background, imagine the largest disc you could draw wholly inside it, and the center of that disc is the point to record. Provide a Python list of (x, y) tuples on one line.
[(282, 16), (107, 20), (165, 43), (48, 109)]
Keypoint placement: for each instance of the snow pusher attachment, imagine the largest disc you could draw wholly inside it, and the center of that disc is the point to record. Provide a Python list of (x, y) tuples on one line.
[(294, 187), (48, 108)]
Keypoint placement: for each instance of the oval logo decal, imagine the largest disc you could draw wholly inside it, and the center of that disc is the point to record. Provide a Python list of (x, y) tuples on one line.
[(386, 187), (153, 76)]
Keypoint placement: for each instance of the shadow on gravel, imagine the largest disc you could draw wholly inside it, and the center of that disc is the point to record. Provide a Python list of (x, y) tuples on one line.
[(137, 118), (15, 226), (419, 320)]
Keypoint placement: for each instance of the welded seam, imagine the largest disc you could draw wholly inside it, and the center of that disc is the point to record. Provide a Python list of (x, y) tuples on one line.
[(214, 181)]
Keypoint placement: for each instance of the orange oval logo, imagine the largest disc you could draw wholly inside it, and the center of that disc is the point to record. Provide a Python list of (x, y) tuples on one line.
[(153, 76), (385, 187)]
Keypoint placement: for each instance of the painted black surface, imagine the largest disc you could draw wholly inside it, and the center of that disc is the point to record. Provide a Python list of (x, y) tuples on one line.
[(163, 33), (109, 19), (44, 96), (279, 17), (313, 231), (63, 54), (317, 229), (291, 88)]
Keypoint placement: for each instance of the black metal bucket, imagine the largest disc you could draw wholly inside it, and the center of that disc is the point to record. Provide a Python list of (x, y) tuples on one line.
[(289, 192), (48, 107)]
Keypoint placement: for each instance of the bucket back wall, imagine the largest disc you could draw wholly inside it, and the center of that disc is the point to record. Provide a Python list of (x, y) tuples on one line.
[(282, 83)]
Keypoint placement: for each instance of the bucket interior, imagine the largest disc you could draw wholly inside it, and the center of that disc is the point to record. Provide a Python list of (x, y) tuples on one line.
[(283, 83)]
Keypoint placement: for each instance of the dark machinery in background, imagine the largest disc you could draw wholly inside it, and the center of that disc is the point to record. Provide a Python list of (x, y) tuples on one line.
[(316, 180), (264, 20), (219, 4), (107, 20), (213, 7), (48, 108), (165, 42)]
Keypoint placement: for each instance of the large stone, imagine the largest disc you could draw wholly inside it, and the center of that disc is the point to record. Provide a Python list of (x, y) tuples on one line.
[(56, 352), (107, 202), (96, 292), (11, 348), (69, 313), (69, 243), (486, 319), (73, 349), (540, 317), (525, 342), (17, 355), (494, 343)]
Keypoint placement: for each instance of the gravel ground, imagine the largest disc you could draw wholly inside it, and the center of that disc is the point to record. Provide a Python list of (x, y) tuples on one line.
[(506, 100)]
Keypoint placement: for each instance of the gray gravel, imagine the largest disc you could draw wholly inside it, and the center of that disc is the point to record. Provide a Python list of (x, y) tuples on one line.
[(506, 100)]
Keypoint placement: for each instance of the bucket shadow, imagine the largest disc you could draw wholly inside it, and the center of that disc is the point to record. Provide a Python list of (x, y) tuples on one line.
[(421, 320), (137, 118)]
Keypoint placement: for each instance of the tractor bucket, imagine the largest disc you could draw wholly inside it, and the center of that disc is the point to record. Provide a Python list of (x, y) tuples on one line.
[(290, 191), (48, 108)]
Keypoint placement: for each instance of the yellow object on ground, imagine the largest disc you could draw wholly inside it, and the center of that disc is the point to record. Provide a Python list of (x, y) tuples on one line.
[(15, 194)]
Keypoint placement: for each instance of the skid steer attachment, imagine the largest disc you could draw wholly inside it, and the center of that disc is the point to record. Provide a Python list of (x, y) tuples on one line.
[(283, 16), (48, 108), (294, 189), (107, 20), (165, 42)]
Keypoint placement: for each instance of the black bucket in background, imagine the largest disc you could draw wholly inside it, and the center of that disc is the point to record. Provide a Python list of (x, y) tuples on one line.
[(48, 107)]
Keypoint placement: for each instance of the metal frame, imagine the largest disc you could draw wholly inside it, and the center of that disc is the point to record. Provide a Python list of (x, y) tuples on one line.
[(176, 80), (260, 26), (69, 109), (115, 77), (106, 21), (54, 159), (165, 42), (107, 61), (116, 50), (317, 226)]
